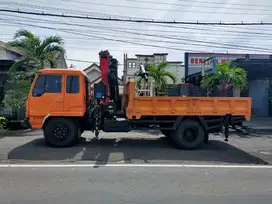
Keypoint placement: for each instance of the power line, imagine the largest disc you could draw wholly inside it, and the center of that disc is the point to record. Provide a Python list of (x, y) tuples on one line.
[(230, 46), (184, 41), (78, 60), (171, 26), (41, 7), (220, 3), (249, 47), (111, 39), (62, 9), (196, 42), (163, 9), (210, 33), (169, 4), (132, 20)]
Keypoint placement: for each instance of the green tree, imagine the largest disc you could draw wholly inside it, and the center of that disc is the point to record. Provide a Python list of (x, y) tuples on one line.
[(224, 78), (159, 75), (2, 124), (16, 96), (36, 51)]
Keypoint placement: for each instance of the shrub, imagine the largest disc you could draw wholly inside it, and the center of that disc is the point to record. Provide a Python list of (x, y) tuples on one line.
[(2, 124)]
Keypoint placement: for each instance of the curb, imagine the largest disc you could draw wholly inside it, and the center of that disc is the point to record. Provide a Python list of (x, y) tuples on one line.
[(257, 130), (15, 132)]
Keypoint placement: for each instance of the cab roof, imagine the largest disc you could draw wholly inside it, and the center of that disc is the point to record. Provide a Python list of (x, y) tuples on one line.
[(62, 71)]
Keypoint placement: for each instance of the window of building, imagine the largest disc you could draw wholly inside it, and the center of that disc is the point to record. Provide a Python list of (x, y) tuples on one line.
[(133, 64), (47, 84), (129, 64), (72, 84)]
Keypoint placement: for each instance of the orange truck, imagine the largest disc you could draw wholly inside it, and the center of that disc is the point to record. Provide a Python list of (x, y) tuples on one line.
[(60, 103)]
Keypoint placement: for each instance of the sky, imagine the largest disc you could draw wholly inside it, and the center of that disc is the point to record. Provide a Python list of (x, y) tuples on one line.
[(85, 38)]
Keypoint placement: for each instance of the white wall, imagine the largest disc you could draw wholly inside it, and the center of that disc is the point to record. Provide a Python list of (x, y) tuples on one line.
[(177, 69)]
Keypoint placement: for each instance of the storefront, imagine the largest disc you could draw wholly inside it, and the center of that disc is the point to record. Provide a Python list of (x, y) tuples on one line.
[(258, 67)]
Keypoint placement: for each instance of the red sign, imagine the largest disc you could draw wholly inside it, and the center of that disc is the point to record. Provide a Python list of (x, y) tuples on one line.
[(200, 60)]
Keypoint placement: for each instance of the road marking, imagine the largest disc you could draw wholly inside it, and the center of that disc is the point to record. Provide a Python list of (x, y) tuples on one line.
[(135, 165)]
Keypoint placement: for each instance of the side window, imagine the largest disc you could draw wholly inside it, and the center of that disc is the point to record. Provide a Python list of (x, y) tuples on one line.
[(47, 84), (72, 84), (53, 84)]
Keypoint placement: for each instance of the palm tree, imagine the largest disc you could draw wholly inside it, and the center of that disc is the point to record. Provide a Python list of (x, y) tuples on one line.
[(159, 74), (36, 51), (225, 77)]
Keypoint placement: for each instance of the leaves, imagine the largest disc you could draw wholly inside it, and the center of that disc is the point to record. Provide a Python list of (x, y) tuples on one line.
[(159, 74), (229, 76), (17, 95), (2, 124), (35, 51), (36, 54)]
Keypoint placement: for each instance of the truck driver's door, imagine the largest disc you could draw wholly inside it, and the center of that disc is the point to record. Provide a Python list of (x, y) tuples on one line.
[(47, 97)]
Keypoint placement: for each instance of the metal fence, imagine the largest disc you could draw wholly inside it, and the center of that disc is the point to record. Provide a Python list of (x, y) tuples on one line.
[(194, 91)]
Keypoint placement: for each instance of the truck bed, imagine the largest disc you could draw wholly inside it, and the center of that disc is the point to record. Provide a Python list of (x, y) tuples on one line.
[(137, 106)]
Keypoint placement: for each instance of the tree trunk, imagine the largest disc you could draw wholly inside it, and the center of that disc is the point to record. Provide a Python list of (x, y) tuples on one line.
[(223, 90)]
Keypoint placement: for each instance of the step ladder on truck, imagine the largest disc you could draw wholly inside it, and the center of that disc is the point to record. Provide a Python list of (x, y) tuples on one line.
[(60, 103)]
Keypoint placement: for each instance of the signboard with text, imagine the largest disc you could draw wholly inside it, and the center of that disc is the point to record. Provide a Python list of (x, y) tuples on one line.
[(194, 61)]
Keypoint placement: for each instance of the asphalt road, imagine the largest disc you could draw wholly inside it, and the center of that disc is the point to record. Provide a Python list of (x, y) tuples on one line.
[(136, 147), (117, 185)]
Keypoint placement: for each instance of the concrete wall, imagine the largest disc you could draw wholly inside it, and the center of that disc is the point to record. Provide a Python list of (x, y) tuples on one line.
[(258, 91), (8, 55), (132, 67), (133, 64), (93, 75), (177, 69)]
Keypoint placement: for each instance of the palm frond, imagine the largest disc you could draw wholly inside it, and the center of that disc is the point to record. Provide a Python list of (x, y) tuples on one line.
[(20, 44), (162, 66), (53, 48), (49, 43), (234, 76), (170, 75), (24, 33)]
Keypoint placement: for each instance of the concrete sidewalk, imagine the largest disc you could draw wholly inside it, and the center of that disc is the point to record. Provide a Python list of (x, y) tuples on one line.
[(261, 125)]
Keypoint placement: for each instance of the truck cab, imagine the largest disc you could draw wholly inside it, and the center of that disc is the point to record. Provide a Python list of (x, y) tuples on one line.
[(57, 93)]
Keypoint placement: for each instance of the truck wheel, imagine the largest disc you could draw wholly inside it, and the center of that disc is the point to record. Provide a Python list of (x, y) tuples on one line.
[(189, 134), (61, 132)]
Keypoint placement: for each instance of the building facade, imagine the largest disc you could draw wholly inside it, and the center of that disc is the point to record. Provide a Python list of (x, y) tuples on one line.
[(132, 65), (94, 74), (177, 69), (257, 69)]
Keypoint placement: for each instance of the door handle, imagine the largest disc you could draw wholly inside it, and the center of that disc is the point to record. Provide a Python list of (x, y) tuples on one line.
[(59, 100)]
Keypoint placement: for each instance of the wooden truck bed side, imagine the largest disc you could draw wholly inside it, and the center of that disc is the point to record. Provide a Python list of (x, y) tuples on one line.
[(138, 106)]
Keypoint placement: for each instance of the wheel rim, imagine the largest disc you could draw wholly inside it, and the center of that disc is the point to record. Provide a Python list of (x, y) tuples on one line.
[(190, 134), (60, 132)]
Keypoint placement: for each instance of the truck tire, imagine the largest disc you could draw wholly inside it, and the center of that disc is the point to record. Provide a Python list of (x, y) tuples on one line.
[(61, 132), (189, 134)]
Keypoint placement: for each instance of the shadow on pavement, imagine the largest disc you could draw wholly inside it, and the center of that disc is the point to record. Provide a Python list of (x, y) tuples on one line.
[(157, 150)]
